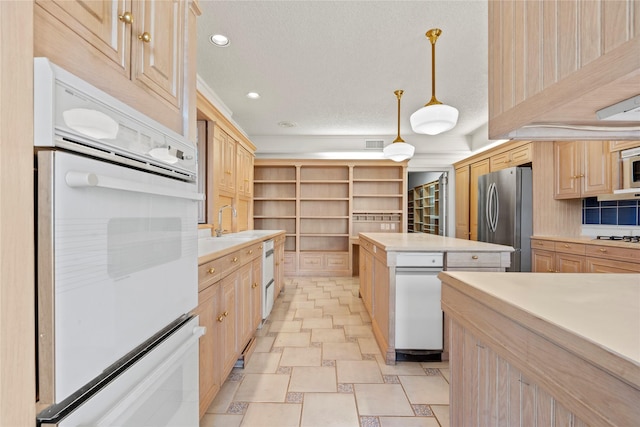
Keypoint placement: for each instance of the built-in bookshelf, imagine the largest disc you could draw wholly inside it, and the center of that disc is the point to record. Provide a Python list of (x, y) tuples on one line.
[(426, 208), (323, 205)]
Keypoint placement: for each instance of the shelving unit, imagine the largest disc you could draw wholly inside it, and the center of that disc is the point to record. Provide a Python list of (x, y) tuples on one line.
[(410, 212), (426, 208), (323, 205)]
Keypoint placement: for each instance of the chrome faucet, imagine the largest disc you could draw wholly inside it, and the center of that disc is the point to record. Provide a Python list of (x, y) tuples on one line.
[(219, 229)]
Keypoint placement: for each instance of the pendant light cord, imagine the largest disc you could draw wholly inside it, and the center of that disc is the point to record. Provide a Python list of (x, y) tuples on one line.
[(398, 95)]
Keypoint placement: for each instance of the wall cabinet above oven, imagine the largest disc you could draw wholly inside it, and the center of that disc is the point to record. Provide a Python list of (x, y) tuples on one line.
[(137, 51)]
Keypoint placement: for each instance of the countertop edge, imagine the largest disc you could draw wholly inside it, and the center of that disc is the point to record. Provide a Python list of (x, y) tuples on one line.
[(472, 245), (222, 252), (586, 240), (598, 355)]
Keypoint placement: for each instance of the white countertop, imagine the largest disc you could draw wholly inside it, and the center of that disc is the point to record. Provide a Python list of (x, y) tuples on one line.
[(588, 308), (423, 242), (212, 247)]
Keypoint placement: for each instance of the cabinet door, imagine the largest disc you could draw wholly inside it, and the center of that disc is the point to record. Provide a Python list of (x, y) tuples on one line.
[(604, 265), (229, 164), (209, 347), (98, 23), (243, 308), (256, 293), (227, 316), (596, 168), (278, 271), (567, 169), (568, 263), (500, 161), (158, 63), (244, 171), (477, 169), (462, 203), (366, 278), (543, 261), (380, 316)]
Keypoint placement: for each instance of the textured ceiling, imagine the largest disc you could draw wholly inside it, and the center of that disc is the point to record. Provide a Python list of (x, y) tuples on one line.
[(331, 67)]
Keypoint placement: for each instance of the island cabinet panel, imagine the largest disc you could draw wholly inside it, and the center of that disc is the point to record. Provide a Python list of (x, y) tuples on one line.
[(514, 363), (462, 202)]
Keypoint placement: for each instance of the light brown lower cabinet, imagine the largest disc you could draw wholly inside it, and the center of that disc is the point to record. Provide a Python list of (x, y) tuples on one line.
[(230, 307), (556, 256)]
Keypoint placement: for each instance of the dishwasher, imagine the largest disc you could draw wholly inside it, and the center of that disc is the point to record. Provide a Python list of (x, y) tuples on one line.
[(419, 315)]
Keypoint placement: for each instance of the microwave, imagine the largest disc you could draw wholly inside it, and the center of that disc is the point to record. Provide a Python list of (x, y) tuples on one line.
[(631, 168)]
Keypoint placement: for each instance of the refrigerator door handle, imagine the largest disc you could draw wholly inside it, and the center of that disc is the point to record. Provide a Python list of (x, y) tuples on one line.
[(488, 206), (496, 204)]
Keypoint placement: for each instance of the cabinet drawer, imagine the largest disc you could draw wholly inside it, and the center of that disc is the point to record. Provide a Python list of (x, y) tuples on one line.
[(337, 261), (250, 253), (209, 273), (603, 265), (543, 244), (613, 252), (520, 155), (570, 248), (473, 259), (311, 261)]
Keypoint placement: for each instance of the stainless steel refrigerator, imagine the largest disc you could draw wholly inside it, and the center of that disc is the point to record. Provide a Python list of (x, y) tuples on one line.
[(505, 213)]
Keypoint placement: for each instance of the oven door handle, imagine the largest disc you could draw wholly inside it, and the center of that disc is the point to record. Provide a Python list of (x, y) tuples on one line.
[(76, 179)]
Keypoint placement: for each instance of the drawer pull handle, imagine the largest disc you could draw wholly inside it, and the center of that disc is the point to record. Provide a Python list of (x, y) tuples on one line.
[(260, 247), (220, 318), (145, 37), (250, 251), (126, 17), (474, 257), (225, 314), (566, 246), (255, 285), (235, 259), (603, 250), (212, 270)]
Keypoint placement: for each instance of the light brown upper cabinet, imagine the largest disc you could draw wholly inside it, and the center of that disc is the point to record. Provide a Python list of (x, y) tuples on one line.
[(462, 202), (477, 169), (516, 157), (581, 169), (133, 50), (559, 62)]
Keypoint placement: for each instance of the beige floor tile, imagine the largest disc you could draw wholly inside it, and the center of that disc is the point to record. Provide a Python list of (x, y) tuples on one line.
[(295, 305), (341, 351), (303, 313), (353, 319), (336, 310), (325, 302), (430, 390), (369, 346), (343, 293), (321, 296), (442, 414), (264, 344), (437, 365), (313, 379), (446, 373), (408, 422), (400, 368), (292, 339), (329, 410), (281, 315), (224, 397), (365, 317), (262, 388), (358, 371), (363, 331), (382, 399), (297, 356), (317, 323), (285, 326), (272, 415), (327, 335), (263, 363), (220, 420)]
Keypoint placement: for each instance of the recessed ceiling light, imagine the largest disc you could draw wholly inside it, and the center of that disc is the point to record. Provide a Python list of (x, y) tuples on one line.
[(286, 124), (220, 40), (253, 95)]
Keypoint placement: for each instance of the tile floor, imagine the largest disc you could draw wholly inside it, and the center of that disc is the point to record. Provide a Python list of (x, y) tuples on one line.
[(316, 363)]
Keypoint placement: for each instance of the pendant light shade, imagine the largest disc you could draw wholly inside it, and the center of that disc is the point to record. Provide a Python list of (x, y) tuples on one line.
[(398, 150), (435, 117)]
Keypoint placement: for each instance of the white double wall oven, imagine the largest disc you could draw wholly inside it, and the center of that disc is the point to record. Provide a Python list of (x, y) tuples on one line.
[(116, 261)]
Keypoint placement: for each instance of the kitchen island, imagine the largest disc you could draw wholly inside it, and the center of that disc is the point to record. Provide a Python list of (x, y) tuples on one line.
[(383, 256), (543, 349)]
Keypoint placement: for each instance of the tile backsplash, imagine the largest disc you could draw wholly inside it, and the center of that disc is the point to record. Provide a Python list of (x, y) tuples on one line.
[(618, 212)]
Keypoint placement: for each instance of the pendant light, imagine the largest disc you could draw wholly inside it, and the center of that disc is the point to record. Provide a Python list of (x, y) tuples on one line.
[(435, 117), (398, 150)]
